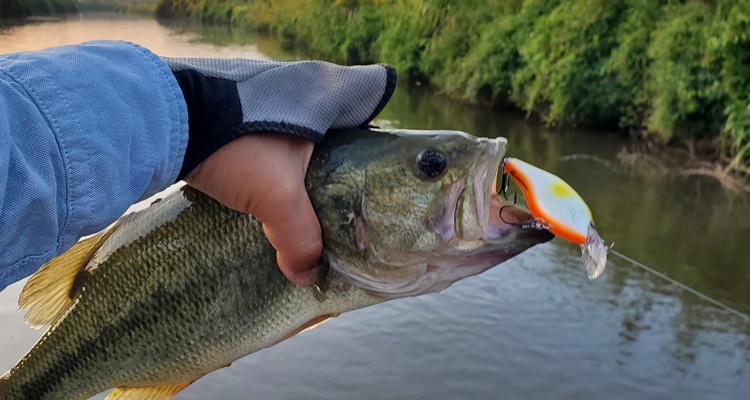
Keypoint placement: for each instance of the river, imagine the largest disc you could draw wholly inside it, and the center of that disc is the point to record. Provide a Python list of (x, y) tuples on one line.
[(532, 328)]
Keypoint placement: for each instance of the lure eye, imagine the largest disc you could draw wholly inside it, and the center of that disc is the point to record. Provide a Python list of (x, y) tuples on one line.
[(432, 163)]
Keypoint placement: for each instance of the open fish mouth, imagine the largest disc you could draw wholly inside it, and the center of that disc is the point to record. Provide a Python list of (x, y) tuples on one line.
[(465, 208), (485, 176), (471, 218), (472, 222)]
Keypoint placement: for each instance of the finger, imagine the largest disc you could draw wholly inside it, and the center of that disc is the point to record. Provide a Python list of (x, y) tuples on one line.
[(294, 231), (263, 175)]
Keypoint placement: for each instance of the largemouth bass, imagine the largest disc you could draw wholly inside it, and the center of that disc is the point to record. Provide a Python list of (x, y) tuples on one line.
[(187, 286)]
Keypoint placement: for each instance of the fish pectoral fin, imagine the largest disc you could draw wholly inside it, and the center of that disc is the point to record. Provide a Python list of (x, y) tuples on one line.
[(164, 392), (314, 324), (309, 325), (50, 292)]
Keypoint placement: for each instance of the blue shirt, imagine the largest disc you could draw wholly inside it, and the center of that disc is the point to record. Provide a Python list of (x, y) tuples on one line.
[(85, 131)]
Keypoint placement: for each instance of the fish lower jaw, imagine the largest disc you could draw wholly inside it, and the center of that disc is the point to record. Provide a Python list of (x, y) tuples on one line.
[(446, 272), (420, 279), (429, 277)]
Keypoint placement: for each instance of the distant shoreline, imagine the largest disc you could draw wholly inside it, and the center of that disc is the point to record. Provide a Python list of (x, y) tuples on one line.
[(23, 9)]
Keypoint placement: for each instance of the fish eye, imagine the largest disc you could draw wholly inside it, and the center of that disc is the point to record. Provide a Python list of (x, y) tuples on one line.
[(432, 163)]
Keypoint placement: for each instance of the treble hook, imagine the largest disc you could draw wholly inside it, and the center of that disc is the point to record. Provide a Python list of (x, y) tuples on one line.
[(536, 223), (508, 222), (504, 184)]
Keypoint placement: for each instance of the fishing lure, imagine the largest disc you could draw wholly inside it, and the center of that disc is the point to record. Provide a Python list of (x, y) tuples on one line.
[(559, 209)]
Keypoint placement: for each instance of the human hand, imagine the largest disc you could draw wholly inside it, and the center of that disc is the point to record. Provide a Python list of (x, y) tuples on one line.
[(247, 119), (264, 175)]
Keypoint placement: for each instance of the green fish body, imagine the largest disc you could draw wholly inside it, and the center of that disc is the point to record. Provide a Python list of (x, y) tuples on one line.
[(187, 286)]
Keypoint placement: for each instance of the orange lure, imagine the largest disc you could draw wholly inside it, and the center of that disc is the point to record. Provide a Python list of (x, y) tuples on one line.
[(560, 209)]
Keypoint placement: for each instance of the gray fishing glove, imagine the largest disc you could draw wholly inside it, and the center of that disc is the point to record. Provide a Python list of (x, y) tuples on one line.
[(228, 98)]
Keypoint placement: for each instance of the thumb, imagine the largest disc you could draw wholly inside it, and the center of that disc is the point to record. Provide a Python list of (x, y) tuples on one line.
[(280, 201), (294, 231)]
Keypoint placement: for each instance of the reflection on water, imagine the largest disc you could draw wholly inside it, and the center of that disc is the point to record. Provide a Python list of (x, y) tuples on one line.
[(534, 327), (105, 26)]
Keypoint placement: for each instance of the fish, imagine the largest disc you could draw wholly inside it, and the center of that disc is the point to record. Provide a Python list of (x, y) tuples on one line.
[(557, 207), (187, 286)]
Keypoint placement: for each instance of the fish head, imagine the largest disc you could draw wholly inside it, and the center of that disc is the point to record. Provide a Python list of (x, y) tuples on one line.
[(405, 213)]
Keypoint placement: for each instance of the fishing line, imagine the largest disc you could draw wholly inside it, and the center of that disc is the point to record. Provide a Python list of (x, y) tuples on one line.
[(682, 286)]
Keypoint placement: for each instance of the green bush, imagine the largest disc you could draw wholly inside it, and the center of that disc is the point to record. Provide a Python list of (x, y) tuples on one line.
[(487, 71), (685, 82), (563, 74), (733, 43), (629, 62), (737, 132)]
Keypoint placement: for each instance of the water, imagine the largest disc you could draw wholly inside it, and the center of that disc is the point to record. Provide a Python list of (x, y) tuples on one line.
[(534, 327)]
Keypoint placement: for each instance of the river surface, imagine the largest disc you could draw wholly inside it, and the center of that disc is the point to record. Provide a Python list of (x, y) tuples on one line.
[(534, 327)]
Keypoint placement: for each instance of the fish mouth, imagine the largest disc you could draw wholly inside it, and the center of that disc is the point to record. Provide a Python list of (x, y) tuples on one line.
[(485, 177), (464, 211), (476, 219), (471, 206)]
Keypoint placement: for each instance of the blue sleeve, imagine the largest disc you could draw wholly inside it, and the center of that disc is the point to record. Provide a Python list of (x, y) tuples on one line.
[(85, 131)]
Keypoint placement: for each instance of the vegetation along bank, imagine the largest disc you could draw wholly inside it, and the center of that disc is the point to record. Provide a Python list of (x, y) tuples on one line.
[(677, 71), (14, 9)]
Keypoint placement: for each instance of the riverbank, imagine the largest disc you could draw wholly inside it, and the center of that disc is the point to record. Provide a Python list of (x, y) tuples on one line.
[(675, 73)]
